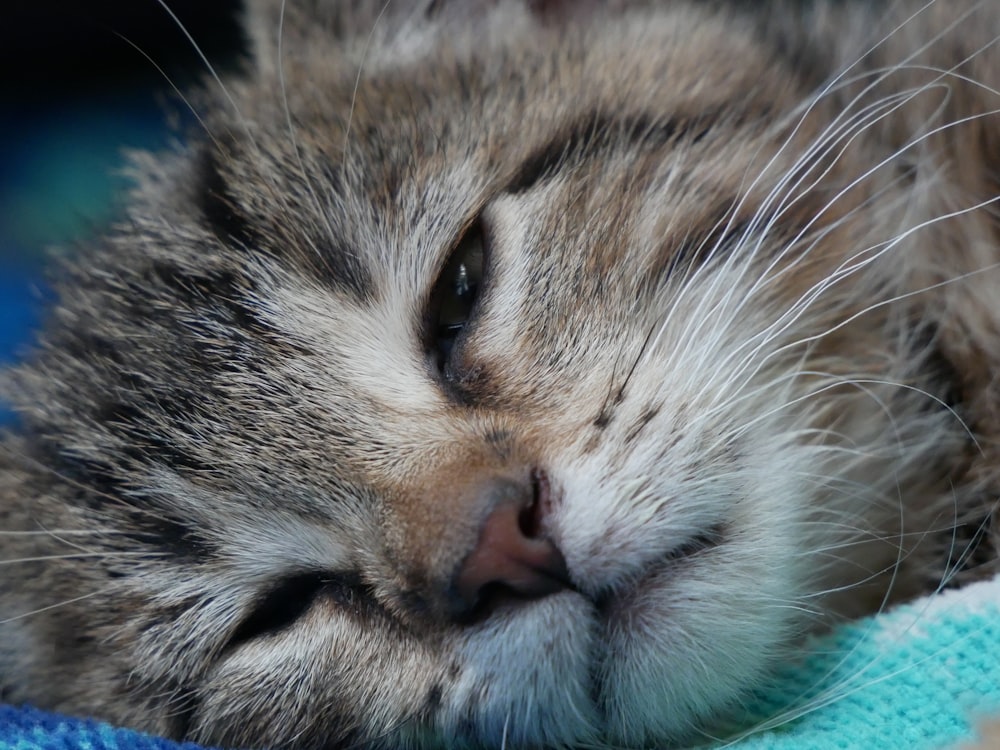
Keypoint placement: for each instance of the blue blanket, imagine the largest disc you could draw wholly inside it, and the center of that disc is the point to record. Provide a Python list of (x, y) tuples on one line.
[(920, 676)]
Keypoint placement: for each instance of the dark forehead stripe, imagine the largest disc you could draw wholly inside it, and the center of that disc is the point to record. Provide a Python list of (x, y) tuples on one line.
[(343, 269), (218, 207), (597, 134), (327, 256)]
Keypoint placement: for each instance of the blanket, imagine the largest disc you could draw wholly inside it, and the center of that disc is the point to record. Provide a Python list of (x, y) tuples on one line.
[(920, 676), (924, 675)]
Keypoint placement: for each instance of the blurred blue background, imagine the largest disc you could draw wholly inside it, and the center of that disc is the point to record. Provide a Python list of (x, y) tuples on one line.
[(75, 91)]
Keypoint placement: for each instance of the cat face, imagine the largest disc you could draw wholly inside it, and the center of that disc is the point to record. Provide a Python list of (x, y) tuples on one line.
[(518, 373)]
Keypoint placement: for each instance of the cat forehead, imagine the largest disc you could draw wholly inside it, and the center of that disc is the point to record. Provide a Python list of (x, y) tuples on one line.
[(404, 86), (413, 130)]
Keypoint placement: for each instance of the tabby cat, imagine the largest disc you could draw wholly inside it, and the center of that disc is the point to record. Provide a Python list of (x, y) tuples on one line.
[(524, 373)]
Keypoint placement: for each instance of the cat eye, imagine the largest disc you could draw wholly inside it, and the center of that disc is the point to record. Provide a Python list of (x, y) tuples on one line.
[(455, 293), (290, 598)]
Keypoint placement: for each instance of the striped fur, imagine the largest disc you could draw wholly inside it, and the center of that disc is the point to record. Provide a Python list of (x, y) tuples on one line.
[(740, 307)]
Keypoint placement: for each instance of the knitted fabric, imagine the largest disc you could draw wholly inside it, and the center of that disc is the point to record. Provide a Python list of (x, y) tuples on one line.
[(920, 676)]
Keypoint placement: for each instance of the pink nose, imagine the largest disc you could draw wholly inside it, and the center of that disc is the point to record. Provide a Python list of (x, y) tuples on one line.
[(511, 559)]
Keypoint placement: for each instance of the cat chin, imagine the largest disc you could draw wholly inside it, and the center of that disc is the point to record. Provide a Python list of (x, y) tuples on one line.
[(528, 675), (648, 663)]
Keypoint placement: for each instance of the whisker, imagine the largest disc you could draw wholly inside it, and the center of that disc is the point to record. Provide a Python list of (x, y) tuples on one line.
[(310, 188), (50, 607), (82, 556), (830, 87), (208, 66), (357, 81), (177, 91)]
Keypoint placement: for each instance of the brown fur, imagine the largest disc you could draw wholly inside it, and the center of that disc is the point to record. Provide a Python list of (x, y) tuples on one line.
[(759, 379), (987, 738)]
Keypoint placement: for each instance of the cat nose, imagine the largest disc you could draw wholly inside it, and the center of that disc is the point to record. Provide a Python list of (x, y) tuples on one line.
[(512, 558)]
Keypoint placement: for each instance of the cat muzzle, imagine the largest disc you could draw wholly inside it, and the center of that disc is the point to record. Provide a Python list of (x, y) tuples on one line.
[(513, 560)]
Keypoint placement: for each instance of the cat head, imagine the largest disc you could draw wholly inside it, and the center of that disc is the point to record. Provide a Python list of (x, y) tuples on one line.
[(482, 372)]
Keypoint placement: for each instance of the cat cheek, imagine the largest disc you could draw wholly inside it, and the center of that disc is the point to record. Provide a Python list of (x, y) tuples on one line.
[(314, 680)]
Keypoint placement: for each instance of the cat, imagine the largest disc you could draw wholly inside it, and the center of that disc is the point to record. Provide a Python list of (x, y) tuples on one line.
[(515, 373)]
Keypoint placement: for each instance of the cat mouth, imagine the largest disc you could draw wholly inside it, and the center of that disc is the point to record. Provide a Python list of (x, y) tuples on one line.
[(619, 601), (614, 603)]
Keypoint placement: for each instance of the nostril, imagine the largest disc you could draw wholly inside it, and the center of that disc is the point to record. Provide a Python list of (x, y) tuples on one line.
[(530, 518), (512, 558)]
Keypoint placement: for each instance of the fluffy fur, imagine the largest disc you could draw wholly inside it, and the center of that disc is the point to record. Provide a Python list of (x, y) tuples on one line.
[(739, 311)]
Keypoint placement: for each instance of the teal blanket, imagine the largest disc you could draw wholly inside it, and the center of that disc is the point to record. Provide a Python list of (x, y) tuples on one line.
[(924, 675), (920, 676)]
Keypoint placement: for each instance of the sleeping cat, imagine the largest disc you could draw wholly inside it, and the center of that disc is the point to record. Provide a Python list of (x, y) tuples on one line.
[(515, 373)]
